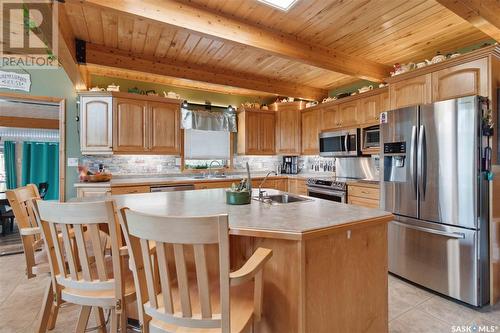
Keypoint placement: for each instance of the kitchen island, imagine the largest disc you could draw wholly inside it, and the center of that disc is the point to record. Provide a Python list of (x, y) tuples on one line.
[(328, 272)]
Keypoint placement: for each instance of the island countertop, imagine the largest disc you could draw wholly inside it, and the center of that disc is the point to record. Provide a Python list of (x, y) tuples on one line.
[(298, 220)]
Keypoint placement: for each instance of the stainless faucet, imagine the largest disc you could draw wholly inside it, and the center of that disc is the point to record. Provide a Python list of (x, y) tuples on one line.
[(210, 167), (261, 193)]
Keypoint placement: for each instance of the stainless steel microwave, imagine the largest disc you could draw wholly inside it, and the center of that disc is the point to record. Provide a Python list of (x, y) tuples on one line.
[(371, 137), (339, 143)]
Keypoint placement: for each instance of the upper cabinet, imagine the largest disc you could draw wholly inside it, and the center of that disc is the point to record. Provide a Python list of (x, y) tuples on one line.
[(256, 132), (310, 132), (347, 114), (96, 130), (130, 128), (164, 128), (409, 92), (329, 117), (288, 127), (461, 80), (129, 124)]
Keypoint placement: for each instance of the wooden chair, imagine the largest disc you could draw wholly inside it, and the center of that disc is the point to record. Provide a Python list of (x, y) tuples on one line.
[(20, 201), (98, 281), (201, 302)]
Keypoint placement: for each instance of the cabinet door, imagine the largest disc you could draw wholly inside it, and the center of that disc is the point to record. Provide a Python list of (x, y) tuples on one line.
[(267, 133), (96, 131), (252, 124), (310, 132), (369, 110), (348, 114), (329, 118), (462, 80), (130, 126), (288, 132), (164, 128), (385, 102), (410, 92)]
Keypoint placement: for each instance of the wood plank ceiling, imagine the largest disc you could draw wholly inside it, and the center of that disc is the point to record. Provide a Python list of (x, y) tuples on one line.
[(381, 31)]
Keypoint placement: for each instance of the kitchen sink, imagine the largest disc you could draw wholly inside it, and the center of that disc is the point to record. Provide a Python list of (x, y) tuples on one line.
[(282, 199)]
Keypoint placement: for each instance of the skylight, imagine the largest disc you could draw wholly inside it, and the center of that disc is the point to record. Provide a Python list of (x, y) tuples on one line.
[(280, 4)]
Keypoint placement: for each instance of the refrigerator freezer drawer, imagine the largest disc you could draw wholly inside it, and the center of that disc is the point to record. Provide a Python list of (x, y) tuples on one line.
[(438, 257)]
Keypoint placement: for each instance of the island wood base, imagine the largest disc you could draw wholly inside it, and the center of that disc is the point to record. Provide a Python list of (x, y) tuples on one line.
[(336, 282)]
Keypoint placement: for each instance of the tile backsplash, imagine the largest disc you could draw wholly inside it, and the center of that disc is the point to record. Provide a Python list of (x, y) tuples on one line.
[(165, 164)]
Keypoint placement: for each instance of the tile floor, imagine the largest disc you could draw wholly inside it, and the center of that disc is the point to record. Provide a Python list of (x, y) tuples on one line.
[(411, 309)]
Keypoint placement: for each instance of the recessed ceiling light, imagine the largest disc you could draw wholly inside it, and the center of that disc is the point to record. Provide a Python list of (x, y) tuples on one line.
[(280, 4)]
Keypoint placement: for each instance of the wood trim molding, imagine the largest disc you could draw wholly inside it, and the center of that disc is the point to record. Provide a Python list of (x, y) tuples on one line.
[(62, 132), (214, 25), (493, 50), (110, 57), (23, 122), (482, 14)]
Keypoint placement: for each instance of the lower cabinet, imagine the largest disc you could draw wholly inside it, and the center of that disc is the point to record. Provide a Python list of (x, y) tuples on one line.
[(207, 185), (366, 196), (93, 192), (297, 186), (130, 190)]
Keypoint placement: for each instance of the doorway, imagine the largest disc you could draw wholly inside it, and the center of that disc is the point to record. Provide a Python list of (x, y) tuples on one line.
[(32, 150)]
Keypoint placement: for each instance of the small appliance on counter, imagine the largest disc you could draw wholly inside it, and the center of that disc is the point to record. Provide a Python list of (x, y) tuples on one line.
[(290, 165)]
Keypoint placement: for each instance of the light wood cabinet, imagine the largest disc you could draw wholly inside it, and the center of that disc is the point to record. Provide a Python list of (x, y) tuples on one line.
[(369, 110), (208, 185), (288, 131), (348, 114), (256, 132), (96, 125), (414, 91), (130, 190), (124, 123), (329, 118), (267, 130), (366, 196), (385, 102), (164, 128), (297, 186), (129, 125), (310, 132), (466, 79), (93, 192)]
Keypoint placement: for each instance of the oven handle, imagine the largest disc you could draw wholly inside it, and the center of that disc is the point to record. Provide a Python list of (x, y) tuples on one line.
[(346, 141), (327, 192)]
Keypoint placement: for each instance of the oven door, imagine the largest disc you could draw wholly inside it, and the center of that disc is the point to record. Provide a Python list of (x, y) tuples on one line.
[(326, 194)]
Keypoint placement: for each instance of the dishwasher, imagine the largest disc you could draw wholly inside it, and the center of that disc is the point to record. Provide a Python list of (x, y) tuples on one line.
[(172, 188)]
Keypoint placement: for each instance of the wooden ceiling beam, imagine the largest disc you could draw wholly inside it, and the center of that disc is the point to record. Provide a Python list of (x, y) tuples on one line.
[(217, 26), (482, 14), (115, 58)]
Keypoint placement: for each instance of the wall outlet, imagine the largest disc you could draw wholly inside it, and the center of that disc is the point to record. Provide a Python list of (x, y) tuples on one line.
[(72, 161)]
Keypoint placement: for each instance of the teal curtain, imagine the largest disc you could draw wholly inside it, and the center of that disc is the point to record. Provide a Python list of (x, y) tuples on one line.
[(41, 165), (9, 154)]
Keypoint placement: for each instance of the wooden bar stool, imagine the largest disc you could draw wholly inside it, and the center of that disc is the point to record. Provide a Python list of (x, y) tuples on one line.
[(20, 200), (96, 280), (177, 301)]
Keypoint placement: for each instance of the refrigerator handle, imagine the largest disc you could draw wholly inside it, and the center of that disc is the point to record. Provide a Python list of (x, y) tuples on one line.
[(413, 157), (422, 161), (459, 235)]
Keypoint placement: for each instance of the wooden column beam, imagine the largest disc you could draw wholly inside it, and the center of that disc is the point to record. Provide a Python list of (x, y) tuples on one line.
[(483, 14), (109, 57), (213, 25)]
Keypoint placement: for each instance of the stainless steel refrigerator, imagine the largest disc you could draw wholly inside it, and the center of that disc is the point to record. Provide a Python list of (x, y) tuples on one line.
[(431, 179)]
